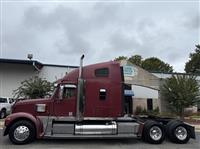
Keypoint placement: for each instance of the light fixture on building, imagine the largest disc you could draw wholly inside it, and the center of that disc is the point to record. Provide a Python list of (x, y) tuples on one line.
[(30, 56)]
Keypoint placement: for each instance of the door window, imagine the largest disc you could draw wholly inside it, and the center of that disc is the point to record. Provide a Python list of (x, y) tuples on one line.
[(69, 91)]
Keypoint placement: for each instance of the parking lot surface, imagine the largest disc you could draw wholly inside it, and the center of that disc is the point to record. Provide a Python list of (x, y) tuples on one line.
[(98, 144)]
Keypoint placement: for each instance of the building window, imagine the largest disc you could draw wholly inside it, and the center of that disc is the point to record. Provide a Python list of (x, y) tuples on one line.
[(149, 104), (103, 72)]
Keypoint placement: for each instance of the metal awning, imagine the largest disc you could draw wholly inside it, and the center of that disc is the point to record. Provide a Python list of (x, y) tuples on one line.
[(128, 93)]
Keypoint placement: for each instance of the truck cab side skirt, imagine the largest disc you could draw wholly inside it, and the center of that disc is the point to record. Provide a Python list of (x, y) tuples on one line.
[(66, 126)]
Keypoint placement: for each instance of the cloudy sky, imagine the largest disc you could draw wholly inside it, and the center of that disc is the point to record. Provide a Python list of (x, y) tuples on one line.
[(59, 32)]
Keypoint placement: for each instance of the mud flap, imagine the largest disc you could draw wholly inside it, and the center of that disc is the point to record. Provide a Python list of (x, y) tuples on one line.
[(191, 130)]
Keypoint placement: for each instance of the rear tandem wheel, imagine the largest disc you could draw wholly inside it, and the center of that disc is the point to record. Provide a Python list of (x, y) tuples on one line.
[(177, 132), (153, 132)]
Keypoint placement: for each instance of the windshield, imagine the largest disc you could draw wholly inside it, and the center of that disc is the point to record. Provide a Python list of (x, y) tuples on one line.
[(3, 100)]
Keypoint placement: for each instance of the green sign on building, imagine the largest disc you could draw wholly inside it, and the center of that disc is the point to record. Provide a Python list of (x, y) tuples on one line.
[(129, 71)]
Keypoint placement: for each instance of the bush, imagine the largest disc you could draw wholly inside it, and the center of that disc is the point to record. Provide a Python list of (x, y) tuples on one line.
[(181, 91), (142, 111), (33, 88), (138, 110), (156, 110), (168, 114)]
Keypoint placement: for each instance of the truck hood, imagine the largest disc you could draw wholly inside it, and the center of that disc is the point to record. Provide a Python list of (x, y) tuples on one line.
[(31, 101), (28, 105)]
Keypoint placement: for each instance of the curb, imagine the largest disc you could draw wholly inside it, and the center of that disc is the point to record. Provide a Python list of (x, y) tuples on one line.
[(197, 128)]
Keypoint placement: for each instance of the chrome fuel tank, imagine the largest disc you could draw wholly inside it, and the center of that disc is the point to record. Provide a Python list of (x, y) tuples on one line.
[(96, 129)]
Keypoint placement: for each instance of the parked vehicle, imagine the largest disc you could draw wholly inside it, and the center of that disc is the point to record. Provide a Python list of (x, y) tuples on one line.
[(89, 103), (5, 106)]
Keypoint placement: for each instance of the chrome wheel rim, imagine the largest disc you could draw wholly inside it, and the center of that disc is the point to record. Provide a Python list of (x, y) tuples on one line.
[(155, 133), (21, 133), (181, 133)]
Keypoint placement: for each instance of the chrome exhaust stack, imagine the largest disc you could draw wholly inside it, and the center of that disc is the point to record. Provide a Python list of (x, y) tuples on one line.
[(80, 93), (81, 67)]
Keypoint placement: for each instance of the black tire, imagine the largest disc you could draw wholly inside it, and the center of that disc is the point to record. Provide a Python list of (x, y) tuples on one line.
[(149, 126), (23, 124), (3, 113), (172, 132)]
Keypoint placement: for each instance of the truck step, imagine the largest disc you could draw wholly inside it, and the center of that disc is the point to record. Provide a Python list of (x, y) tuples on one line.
[(69, 136)]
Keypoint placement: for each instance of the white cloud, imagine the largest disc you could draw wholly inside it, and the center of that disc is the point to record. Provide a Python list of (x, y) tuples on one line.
[(61, 32)]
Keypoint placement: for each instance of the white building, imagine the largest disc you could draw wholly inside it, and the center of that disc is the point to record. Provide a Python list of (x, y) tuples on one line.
[(13, 72)]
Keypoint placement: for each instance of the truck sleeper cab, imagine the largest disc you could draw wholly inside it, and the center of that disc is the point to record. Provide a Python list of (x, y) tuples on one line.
[(89, 103)]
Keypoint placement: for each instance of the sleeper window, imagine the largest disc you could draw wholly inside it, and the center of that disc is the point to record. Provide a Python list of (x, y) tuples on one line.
[(103, 72)]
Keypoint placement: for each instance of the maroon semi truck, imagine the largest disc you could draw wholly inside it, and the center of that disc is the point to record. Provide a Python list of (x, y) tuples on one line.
[(89, 103)]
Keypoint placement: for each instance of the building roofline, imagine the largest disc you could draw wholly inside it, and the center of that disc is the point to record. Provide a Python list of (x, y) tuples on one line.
[(19, 61), (175, 73), (30, 62), (56, 65)]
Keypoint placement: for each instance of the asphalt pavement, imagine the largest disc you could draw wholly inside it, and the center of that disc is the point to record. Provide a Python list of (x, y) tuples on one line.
[(98, 144)]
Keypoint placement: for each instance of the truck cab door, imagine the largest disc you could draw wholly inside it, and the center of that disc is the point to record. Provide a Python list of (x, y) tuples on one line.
[(65, 105)]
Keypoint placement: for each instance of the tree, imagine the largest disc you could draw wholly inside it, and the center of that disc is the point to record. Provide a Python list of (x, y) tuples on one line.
[(181, 91), (120, 58), (193, 65), (34, 87), (155, 64), (149, 64), (136, 59)]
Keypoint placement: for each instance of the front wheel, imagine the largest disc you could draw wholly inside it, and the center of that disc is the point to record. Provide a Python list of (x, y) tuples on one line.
[(153, 132), (22, 132)]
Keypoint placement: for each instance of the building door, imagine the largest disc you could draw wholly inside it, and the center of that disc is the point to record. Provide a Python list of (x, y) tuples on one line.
[(128, 105), (149, 104)]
